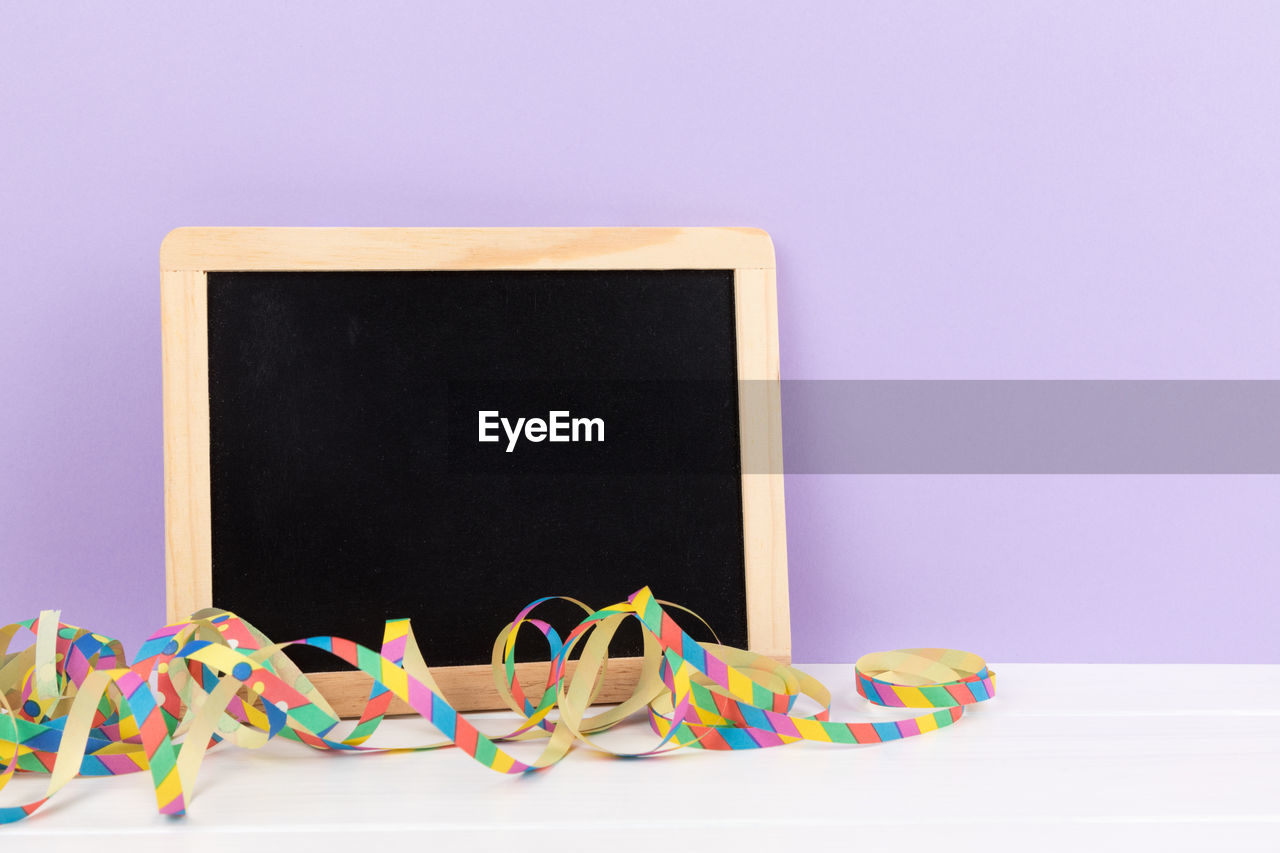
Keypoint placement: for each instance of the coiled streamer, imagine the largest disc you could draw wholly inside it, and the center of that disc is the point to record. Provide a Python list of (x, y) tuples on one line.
[(71, 705)]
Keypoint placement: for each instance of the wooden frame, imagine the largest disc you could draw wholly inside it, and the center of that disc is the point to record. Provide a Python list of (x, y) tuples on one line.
[(187, 254)]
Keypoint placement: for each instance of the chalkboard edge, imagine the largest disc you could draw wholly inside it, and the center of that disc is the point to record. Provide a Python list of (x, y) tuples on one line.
[(210, 249)]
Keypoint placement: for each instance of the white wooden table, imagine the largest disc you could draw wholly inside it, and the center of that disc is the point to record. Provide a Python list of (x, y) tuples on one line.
[(1068, 757)]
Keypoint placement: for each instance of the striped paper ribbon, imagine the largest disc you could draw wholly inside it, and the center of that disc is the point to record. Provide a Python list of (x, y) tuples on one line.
[(70, 705)]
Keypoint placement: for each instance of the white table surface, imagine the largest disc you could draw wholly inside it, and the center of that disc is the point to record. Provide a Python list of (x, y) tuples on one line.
[(1068, 757)]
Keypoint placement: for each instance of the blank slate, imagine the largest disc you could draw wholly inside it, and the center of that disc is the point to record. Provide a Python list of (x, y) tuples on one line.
[(445, 424)]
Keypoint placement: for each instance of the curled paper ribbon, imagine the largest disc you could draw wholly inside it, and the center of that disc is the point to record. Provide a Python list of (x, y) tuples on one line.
[(70, 705)]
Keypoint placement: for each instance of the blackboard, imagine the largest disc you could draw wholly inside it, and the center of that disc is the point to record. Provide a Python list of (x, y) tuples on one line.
[(344, 451), (336, 454)]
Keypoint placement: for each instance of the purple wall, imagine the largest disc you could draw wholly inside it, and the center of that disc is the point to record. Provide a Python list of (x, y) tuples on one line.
[(1086, 190)]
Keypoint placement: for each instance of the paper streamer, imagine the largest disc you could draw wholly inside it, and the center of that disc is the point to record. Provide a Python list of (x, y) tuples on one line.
[(70, 705)]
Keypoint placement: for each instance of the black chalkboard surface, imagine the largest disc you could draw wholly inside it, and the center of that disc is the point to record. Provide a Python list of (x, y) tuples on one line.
[(446, 423), (348, 484)]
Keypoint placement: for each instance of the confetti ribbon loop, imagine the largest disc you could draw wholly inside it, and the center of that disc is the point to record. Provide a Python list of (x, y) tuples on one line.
[(70, 705)]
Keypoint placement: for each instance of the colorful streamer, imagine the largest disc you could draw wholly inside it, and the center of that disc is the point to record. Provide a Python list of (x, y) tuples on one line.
[(70, 705)]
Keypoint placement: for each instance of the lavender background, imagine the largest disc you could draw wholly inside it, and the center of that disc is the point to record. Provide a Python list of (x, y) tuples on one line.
[(980, 190)]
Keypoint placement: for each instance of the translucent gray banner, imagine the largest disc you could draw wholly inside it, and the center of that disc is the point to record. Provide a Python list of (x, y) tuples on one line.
[(1031, 427)]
